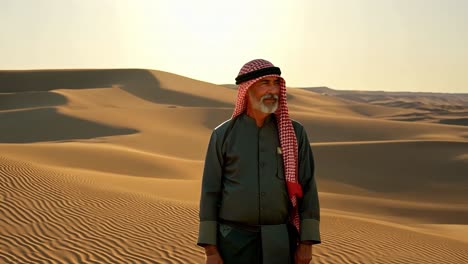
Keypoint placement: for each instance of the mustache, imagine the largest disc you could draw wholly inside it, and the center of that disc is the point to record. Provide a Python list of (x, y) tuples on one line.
[(269, 96)]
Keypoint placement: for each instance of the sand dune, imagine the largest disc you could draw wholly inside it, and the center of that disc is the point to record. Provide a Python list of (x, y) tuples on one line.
[(436, 173), (107, 158), (104, 166), (358, 240), (429, 107), (66, 218)]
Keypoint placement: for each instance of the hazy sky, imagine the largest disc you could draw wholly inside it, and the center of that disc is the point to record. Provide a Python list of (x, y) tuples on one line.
[(404, 45)]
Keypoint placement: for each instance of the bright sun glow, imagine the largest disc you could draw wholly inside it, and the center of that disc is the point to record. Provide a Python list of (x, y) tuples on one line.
[(368, 45)]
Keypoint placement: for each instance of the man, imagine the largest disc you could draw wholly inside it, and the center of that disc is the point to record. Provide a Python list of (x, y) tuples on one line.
[(259, 201)]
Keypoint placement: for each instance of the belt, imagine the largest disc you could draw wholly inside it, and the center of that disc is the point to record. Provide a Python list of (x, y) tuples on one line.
[(247, 227)]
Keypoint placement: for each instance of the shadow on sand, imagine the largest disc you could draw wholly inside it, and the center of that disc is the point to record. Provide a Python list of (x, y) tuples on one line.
[(138, 82), (30, 116), (46, 124)]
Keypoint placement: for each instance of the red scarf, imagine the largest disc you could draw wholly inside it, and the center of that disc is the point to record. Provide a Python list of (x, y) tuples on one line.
[(287, 136)]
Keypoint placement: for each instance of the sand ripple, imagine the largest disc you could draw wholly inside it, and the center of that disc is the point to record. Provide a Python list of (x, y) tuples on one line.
[(50, 217), (348, 240)]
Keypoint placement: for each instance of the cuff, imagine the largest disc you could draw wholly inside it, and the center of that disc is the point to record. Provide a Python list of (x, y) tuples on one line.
[(207, 233), (310, 230)]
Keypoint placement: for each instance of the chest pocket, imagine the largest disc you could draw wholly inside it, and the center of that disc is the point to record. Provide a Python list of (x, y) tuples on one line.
[(279, 164)]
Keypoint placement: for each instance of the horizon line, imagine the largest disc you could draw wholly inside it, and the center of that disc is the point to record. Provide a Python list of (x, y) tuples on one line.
[(222, 84)]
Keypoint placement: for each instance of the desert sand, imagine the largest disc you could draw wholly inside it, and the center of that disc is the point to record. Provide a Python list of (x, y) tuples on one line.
[(104, 166)]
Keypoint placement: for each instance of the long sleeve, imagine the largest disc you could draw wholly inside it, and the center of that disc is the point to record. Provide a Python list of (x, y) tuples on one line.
[(210, 192), (309, 209)]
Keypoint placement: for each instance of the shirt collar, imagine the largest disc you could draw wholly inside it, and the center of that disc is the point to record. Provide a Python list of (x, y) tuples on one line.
[(270, 118)]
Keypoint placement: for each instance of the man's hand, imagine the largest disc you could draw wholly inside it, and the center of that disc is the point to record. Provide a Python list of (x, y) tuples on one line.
[(303, 254), (212, 255)]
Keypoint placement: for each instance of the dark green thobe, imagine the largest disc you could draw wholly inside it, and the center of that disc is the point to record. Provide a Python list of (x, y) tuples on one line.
[(244, 186)]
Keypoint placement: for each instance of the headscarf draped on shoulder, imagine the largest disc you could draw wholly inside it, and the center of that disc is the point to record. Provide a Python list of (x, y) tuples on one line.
[(250, 73)]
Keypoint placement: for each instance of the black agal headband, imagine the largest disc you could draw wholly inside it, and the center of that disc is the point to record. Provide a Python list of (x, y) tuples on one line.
[(257, 73)]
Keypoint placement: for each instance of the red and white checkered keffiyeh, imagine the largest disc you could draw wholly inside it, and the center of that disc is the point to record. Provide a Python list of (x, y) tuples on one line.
[(287, 136)]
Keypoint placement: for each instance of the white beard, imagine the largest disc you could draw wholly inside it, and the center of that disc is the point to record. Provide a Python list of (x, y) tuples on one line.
[(261, 106)]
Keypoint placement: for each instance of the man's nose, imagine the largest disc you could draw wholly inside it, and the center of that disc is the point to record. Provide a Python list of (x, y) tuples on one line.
[(273, 87)]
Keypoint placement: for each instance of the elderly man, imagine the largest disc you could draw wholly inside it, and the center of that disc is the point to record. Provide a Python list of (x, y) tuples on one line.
[(259, 201)]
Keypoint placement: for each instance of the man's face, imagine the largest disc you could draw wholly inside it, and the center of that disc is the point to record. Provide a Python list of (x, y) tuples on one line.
[(264, 94)]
